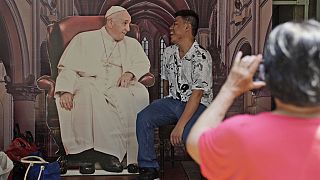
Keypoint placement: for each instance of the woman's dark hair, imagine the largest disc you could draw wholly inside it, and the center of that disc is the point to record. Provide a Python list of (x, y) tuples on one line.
[(292, 63), (191, 17)]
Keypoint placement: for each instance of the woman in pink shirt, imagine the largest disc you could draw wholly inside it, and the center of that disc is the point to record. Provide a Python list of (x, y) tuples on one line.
[(282, 144)]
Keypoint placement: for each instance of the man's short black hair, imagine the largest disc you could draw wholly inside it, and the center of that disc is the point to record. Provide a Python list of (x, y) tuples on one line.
[(191, 17)]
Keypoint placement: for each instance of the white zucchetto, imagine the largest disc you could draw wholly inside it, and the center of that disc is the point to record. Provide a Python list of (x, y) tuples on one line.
[(114, 9)]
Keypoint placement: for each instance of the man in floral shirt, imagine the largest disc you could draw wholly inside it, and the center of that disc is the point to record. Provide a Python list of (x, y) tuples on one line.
[(187, 74)]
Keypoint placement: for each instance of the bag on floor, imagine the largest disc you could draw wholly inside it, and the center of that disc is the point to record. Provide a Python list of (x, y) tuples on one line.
[(39, 169), (20, 148), (6, 166)]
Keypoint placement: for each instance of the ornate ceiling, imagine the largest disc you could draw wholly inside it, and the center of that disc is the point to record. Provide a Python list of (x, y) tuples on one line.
[(150, 14)]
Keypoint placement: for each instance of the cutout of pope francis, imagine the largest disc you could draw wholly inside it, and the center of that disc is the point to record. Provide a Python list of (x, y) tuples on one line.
[(98, 95)]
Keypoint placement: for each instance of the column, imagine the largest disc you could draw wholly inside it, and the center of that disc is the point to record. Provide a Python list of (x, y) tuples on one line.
[(35, 37), (203, 37), (318, 10), (65, 8), (23, 105)]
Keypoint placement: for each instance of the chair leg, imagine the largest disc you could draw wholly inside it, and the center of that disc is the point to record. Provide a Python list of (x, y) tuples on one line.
[(172, 156), (161, 158)]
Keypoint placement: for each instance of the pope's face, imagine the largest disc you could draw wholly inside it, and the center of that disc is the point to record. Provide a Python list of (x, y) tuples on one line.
[(120, 25)]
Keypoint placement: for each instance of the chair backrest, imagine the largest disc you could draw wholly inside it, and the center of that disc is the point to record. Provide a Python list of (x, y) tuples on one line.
[(59, 34)]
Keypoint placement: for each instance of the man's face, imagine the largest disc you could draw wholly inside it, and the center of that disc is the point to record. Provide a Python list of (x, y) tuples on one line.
[(120, 25), (178, 30)]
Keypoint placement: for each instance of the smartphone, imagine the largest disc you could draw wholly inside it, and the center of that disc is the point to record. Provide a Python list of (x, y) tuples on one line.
[(260, 73)]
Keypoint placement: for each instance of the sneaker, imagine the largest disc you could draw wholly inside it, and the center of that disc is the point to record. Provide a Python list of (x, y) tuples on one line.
[(147, 173)]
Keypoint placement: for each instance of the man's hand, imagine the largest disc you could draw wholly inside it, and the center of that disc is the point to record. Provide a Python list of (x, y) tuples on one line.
[(176, 135), (125, 79), (66, 101)]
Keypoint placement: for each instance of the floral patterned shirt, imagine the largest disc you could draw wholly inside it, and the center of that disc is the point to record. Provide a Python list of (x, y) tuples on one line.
[(193, 71)]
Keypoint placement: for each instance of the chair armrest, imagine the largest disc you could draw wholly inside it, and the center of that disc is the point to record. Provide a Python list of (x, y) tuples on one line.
[(45, 82), (147, 79)]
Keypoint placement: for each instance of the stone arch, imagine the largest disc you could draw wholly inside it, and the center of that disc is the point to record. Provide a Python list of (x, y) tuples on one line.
[(267, 35), (244, 46), (17, 62), (241, 102), (213, 26)]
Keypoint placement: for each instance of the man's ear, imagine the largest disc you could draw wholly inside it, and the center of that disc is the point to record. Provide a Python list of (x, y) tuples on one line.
[(109, 23), (188, 27)]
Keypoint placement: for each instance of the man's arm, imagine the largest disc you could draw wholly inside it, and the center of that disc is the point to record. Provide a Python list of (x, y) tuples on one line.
[(138, 64), (202, 80), (191, 107), (238, 82), (64, 88)]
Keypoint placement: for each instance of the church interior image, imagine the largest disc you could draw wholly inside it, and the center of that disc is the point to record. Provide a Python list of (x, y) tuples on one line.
[(35, 33)]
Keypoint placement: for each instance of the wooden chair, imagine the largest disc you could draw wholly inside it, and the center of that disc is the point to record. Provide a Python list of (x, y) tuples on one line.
[(59, 34), (164, 135)]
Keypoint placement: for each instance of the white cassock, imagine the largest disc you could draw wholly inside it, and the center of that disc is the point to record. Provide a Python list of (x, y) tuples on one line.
[(103, 115)]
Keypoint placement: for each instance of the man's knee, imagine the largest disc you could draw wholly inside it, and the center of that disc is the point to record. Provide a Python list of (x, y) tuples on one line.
[(144, 116), (140, 117)]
